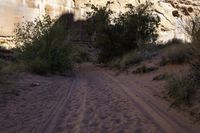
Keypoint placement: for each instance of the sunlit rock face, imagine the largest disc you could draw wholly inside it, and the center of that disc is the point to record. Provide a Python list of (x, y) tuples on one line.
[(15, 11), (172, 12)]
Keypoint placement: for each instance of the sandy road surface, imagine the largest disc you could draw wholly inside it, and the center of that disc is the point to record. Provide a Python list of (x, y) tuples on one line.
[(95, 101)]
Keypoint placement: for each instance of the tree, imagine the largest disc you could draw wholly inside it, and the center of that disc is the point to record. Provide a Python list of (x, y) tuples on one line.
[(129, 31), (41, 45)]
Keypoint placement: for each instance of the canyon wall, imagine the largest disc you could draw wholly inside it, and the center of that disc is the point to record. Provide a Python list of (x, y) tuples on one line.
[(173, 13)]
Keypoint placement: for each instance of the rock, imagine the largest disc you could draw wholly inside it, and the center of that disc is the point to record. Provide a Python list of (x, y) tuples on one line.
[(171, 12)]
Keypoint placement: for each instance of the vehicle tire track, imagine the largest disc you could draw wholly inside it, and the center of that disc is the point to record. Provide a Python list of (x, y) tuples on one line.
[(167, 122), (71, 117), (115, 101), (49, 124)]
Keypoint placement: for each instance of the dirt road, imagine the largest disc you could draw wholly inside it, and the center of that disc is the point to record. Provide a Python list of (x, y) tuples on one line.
[(95, 101)]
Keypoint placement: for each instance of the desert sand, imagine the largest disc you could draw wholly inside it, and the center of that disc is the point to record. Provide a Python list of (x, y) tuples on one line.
[(93, 101)]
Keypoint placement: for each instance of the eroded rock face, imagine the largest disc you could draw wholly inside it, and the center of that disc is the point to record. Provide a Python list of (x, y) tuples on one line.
[(171, 12)]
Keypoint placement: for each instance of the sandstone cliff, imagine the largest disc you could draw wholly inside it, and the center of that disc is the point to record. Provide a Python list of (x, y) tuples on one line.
[(172, 12)]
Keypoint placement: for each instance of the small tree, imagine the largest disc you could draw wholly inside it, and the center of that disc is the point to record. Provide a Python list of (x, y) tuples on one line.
[(99, 24), (139, 26), (99, 19), (41, 45), (129, 31)]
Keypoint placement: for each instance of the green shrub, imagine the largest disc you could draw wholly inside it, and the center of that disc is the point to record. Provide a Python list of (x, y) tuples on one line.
[(38, 66), (130, 30), (80, 55), (42, 46)]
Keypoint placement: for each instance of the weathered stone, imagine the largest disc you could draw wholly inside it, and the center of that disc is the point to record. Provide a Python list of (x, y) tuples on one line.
[(171, 12)]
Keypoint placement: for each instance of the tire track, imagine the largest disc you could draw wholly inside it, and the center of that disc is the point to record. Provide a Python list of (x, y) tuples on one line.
[(50, 123), (167, 122), (138, 106)]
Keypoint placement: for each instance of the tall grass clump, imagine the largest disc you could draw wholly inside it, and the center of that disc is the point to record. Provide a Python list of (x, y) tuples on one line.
[(123, 62), (176, 54), (182, 88), (42, 46)]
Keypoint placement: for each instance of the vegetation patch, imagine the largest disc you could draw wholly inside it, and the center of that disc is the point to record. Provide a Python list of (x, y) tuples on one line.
[(130, 31), (7, 87), (131, 58), (80, 54), (182, 88), (144, 69), (43, 47), (176, 54), (161, 77)]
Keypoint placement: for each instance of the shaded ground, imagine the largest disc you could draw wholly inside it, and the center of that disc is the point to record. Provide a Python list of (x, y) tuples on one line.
[(95, 101)]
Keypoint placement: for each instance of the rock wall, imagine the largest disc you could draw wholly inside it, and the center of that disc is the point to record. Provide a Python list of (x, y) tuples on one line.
[(172, 12)]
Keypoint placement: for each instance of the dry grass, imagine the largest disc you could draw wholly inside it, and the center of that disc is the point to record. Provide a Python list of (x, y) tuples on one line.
[(176, 54), (130, 59)]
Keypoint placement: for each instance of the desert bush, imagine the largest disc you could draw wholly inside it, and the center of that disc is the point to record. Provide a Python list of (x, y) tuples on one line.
[(131, 58), (195, 35), (80, 55), (137, 27), (115, 63), (182, 88), (7, 84), (144, 69), (129, 32), (176, 54), (42, 47)]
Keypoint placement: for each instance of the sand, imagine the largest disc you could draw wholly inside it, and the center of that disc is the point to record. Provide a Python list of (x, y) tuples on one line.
[(94, 101)]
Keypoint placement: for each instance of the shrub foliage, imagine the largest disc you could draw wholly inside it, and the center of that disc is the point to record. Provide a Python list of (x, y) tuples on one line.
[(41, 45), (129, 31)]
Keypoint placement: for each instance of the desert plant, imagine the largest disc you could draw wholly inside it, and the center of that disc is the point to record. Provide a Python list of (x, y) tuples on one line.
[(195, 35), (138, 26), (130, 30), (144, 69), (176, 54), (127, 60), (80, 55), (181, 88), (42, 47), (131, 58)]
